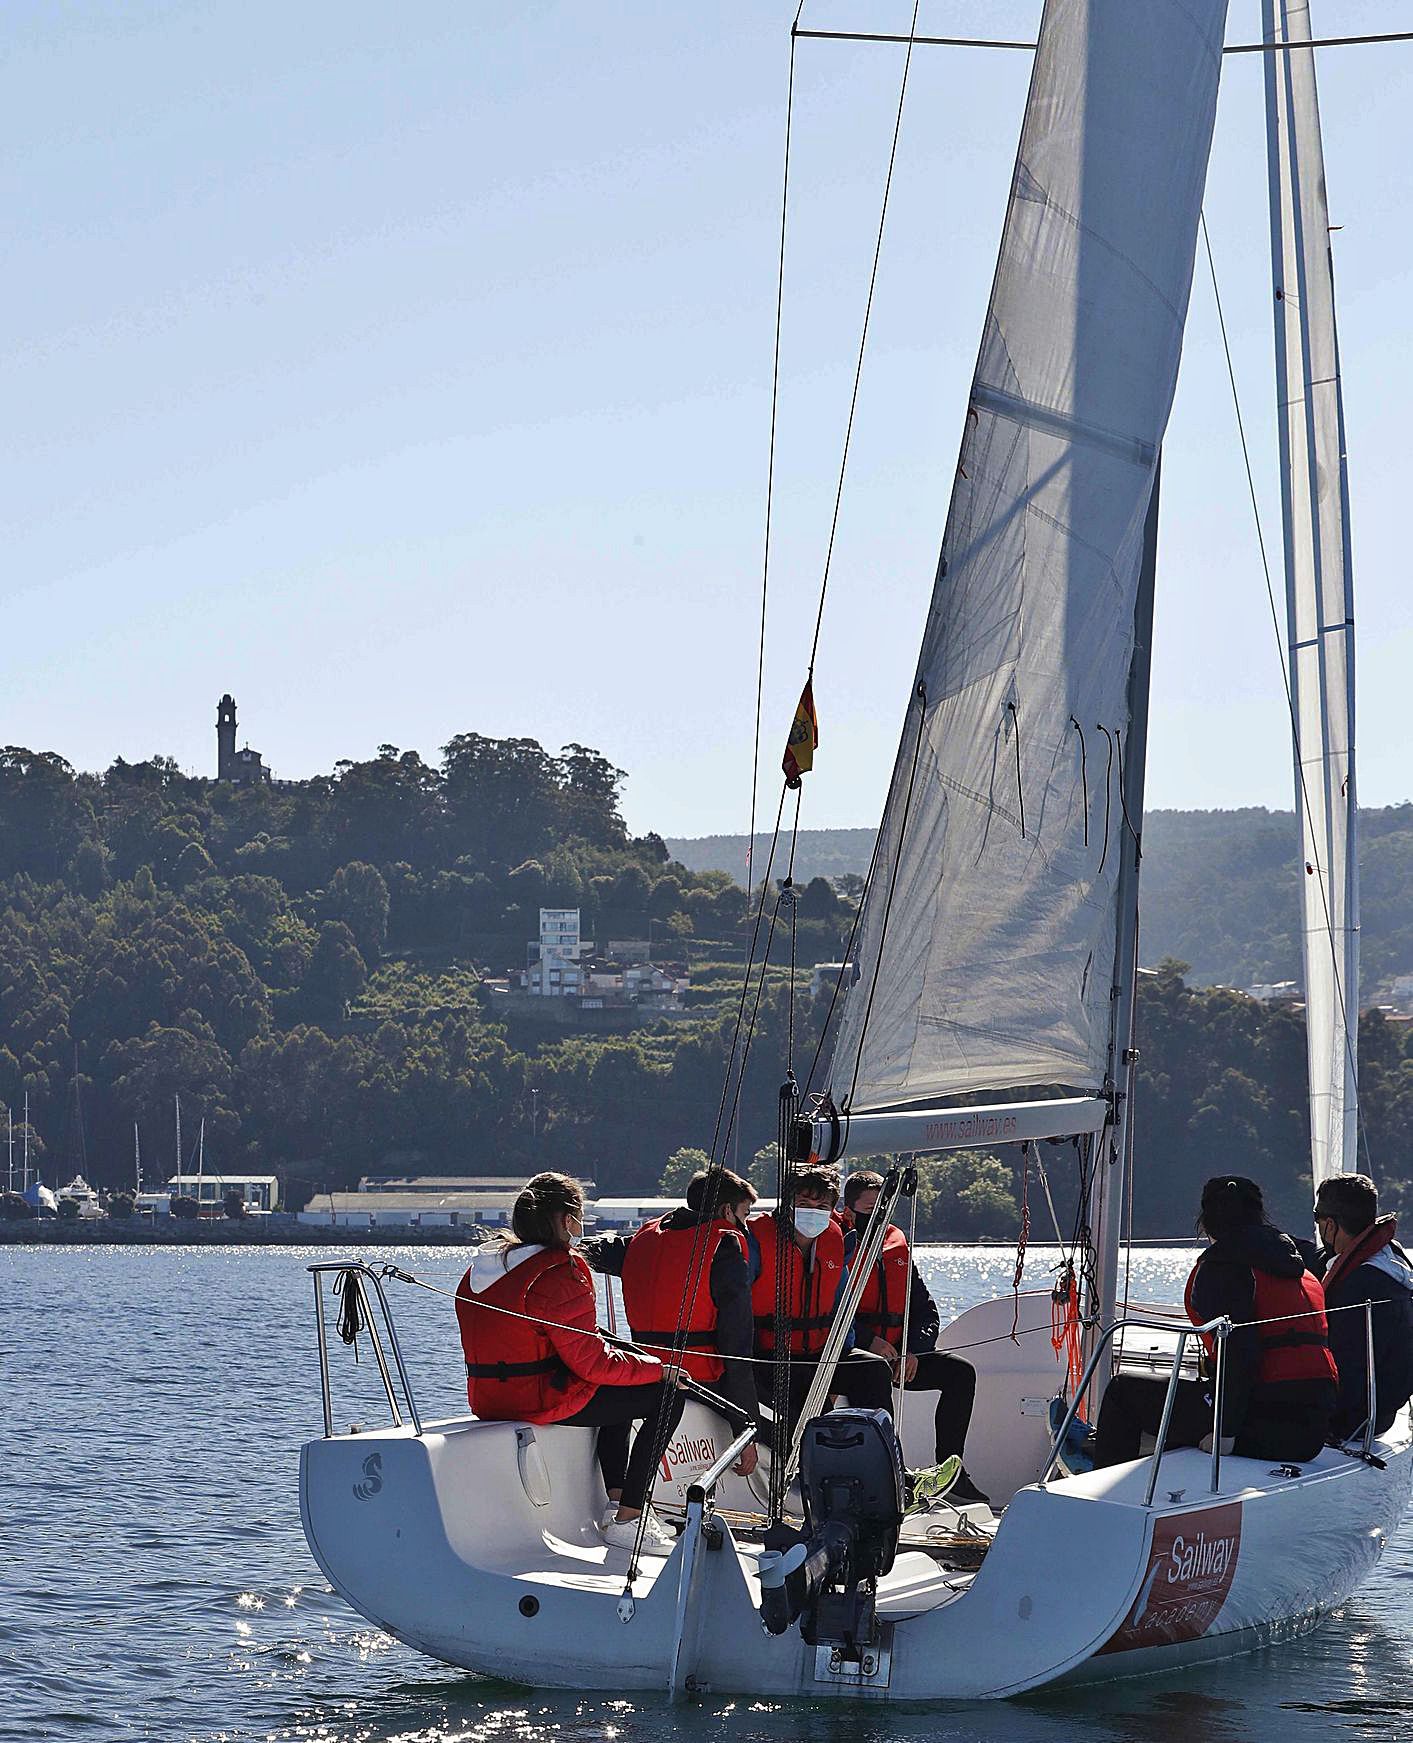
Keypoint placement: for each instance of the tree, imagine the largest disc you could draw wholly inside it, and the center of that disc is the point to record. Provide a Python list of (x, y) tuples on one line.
[(358, 895), (336, 973), (681, 1166), (962, 1194), (185, 1209), (120, 1207), (818, 901), (764, 1170), (234, 1204), (68, 1210), (14, 1208)]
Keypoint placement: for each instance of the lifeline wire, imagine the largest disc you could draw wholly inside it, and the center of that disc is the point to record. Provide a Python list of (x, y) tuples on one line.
[(401, 1276)]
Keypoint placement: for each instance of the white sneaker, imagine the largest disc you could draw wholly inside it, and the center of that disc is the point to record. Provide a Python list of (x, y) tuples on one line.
[(623, 1534)]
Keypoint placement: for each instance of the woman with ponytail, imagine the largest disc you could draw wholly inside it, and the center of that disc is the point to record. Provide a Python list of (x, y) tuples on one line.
[(528, 1320)]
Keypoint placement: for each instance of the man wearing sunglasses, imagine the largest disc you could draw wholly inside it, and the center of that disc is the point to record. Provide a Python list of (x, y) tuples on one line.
[(1361, 1261)]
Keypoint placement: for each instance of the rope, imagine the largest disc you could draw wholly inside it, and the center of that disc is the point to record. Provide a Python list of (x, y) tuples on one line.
[(353, 1312), (1350, 1044), (1083, 774), (1020, 787), (863, 339), (780, 1308), (1108, 793), (1023, 1239), (901, 1378)]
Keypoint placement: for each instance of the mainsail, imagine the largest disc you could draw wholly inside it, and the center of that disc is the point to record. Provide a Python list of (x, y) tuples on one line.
[(987, 946), (1319, 584)]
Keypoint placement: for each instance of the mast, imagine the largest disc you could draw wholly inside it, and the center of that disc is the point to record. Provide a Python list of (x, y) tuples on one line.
[(178, 1100), (1114, 1166), (25, 1187), (1319, 585), (137, 1158), (10, 1146)]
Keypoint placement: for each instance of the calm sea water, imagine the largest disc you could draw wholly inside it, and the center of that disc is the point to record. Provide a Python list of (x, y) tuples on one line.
[(154, 1582)]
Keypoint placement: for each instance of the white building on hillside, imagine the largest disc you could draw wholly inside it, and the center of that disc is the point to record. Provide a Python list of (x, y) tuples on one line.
[(552, 965)]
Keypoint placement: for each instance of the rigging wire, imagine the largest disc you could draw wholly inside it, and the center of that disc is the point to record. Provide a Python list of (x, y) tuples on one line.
[(997, 42), (1350, 1043), (770, 458), (844, 965), (863, 337), (921, 697)]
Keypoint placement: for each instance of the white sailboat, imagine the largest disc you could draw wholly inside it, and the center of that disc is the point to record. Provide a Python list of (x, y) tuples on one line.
[(997, 954)]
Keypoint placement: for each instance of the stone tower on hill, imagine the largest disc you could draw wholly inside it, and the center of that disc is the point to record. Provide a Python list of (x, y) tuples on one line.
[(225, 738), (244, 767)]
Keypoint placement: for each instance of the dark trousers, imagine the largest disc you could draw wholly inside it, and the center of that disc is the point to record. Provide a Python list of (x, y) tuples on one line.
[(612, 1410), (954, 1382), (865, 1378), (1133, 1406)]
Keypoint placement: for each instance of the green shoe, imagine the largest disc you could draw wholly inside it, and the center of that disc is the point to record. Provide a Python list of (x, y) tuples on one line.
[(929, 1485)]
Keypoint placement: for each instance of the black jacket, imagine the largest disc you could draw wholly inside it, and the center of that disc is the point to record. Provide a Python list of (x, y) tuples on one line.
[(1385, 1277), (730, 1287), (1222, 1284), (924, 1321)]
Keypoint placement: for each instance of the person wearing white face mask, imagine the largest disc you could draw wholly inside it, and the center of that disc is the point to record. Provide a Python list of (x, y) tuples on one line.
[(811, 1250)]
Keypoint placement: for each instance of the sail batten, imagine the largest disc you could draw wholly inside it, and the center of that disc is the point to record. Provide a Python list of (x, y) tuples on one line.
[(988, 944), (1319, 584)]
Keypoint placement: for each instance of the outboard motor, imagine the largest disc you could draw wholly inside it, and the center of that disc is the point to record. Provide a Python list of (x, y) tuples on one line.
[(851, 1479)]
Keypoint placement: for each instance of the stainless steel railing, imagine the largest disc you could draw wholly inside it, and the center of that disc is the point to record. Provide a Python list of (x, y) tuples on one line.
[(355, 1275), (1218, 1328)]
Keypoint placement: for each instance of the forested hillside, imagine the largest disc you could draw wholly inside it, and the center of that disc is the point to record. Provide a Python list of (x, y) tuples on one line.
[(1220, 888), (303, 964)]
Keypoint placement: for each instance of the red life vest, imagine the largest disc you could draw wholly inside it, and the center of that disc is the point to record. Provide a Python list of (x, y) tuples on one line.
[(880, 1312), (810, 1293), (512, 1371), (656, 1271), (1293, 1330)]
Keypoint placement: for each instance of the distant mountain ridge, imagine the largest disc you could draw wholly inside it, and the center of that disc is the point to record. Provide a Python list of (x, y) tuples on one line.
[(1220, 888)]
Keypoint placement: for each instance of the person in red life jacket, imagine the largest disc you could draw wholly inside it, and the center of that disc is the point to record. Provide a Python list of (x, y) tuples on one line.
[(878, 1326), (705, 1239), (1280, 1377), (1362, 1261), (811, 1248), (533, 1352)]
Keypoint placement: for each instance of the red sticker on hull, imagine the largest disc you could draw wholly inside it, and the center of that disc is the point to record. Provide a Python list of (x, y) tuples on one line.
[(1190, 1567)]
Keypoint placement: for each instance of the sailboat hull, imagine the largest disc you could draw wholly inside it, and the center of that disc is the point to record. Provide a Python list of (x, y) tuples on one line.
[(477, 1547)]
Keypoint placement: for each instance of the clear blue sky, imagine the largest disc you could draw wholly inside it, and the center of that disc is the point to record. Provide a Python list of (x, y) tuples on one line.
[(405, 370)]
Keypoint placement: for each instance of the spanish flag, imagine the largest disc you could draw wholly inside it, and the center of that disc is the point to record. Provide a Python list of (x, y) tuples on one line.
[(803, 740)]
